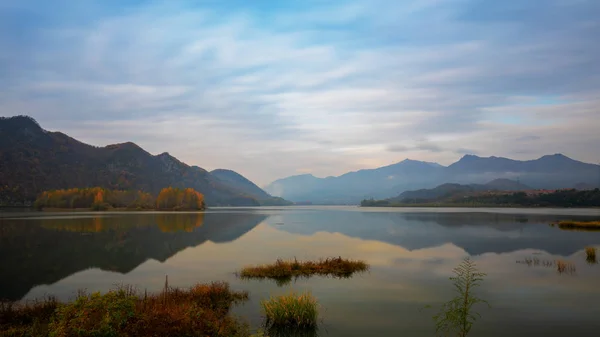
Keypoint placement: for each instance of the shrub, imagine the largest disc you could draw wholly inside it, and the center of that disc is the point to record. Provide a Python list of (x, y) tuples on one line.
[(202, 310), (590, 253), (94, 315), (283, 271), (291, 311)]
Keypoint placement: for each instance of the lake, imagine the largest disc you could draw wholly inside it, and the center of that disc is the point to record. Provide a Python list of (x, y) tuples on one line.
[(411, 252)]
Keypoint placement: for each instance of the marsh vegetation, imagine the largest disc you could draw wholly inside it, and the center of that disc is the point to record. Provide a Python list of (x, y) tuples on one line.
[(202, 310), (579, 225), (283, 271), (590, 255), (562, 266), (457, 316), (292, 313)]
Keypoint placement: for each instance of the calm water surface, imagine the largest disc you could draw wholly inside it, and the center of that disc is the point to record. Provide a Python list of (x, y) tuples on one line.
[(411, 252)]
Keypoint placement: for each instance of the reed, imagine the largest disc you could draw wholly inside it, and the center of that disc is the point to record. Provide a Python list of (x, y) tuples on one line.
[(283, 271), (202, 310), (590, 253), (292, 311), (585, 225)]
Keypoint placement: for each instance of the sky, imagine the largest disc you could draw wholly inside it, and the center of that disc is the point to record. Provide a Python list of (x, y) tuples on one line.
[(278, 88)]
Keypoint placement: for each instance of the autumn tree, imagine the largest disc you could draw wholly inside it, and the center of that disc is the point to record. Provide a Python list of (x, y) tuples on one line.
[(177, 199)]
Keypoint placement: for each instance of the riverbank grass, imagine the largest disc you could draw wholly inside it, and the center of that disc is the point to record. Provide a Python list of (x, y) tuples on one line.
[(283, 270), (297, 311), (585, 225), (202, 310), (590, 255)]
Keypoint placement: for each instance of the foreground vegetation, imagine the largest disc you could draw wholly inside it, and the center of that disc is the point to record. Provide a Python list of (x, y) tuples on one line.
[(559, 198), (457, 316), (99, 199), (290, 312), (283, 271), (590, 255), (585, 225), (202, 310)]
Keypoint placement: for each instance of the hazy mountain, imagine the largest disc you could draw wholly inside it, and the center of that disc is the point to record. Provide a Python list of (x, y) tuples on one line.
[(34, 160), (506, 185), (551, 172), (240, 183), (455, 190)]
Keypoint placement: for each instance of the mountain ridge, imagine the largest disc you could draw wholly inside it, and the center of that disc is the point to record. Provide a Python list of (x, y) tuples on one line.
[(33, 160), (546, 172)]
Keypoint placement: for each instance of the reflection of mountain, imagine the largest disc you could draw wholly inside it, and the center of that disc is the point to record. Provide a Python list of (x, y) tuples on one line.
[(476, 233), (43, 251)]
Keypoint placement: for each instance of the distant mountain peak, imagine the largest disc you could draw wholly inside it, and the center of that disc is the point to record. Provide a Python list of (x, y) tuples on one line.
[(556, 155), (469, 157)]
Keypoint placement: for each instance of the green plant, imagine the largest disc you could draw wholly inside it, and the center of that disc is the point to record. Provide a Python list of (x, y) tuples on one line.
[(291, 311), (456, 317), (94, 315)]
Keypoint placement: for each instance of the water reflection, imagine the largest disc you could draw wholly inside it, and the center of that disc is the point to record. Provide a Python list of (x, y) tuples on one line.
[(476, 233), (411, 257), (43, 251), (167, 223)]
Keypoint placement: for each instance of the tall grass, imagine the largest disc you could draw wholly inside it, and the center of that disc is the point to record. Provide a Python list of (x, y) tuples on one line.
[(590, 253), (457, 316), (202, 310), (283, 271), (579, 225), (295, 311)]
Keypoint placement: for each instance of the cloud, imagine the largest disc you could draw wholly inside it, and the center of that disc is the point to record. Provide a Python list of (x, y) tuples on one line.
[(398, 148), (528, 138), (331, 86)]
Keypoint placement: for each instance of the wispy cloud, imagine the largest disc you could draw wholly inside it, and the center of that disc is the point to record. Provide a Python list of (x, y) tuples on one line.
[(266, 88)]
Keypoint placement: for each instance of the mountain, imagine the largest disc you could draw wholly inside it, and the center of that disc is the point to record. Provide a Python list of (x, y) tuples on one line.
[(235, 180), (548, 172), (506, 185), (457, 190), (33, 160), (352, 187)]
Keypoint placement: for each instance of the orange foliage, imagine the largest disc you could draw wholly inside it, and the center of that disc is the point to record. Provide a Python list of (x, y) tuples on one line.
[(177, 199)]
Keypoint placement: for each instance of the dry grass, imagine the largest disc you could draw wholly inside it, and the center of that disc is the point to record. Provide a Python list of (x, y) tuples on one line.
[(291, 311), (283, 271), (590, 253), (580, 225), (562, 266), (202, 310)]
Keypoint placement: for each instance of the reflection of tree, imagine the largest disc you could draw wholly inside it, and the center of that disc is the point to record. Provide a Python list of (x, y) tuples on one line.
[(179, 222), (45, 250), (167, 223)]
